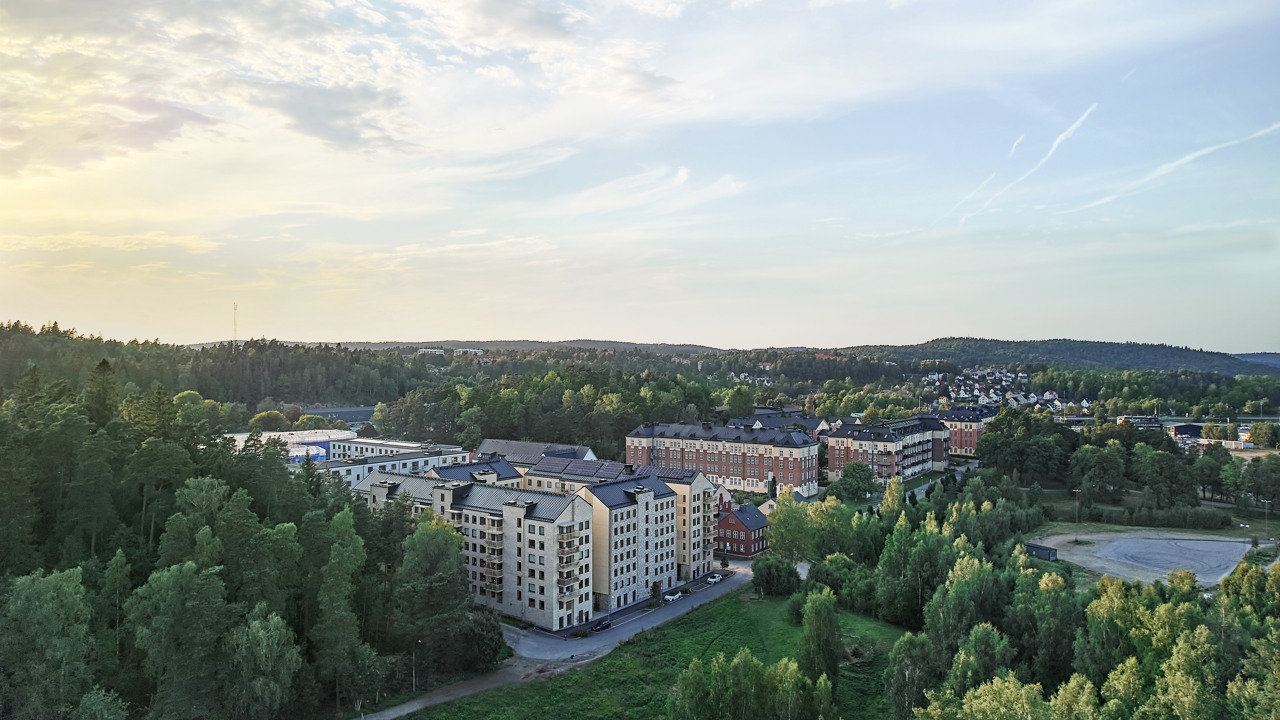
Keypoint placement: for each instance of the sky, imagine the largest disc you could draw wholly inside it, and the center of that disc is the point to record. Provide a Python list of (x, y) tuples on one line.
[(734, 173)]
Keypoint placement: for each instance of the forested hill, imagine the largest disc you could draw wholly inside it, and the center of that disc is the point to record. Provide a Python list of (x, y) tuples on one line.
[(1264, 358), (613, 345), (1069, 353)]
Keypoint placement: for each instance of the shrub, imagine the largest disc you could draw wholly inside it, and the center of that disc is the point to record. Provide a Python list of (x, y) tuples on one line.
[(795, 608)]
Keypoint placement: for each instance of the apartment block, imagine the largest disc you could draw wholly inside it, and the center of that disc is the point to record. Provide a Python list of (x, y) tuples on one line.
[(692, 525), (436, 454), (523, 454), (965, 425), (905, 448), (741, 458), (636, 519), (527, 554)]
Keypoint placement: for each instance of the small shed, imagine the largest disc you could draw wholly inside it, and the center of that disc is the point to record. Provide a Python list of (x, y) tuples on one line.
[(1044, 552)]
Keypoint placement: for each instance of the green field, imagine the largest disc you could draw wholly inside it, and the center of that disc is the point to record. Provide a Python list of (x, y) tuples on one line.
[(633, 681)]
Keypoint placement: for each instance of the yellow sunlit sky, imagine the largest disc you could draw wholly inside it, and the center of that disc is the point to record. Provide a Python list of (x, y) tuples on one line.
[(735, 173)]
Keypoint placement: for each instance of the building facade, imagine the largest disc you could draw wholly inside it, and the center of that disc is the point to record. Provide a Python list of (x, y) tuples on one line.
[(635, 518), (741, 531), (745, 459), (692, 527), (965, 425), (355, 447), (905, 448), (528, 554)]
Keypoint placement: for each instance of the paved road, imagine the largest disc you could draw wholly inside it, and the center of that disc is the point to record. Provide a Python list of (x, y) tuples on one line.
[(539, 653)]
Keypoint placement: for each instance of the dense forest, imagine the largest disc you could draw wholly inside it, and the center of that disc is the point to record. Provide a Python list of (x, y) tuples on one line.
[(997, 634), (1067, 353), (148, 568)]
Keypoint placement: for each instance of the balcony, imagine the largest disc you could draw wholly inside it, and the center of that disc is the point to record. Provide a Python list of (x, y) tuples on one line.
[(567, 581), (493, 566), (565, 593), (708, 544), (568, 554), (494, 585), (493, 542), (565, 535)]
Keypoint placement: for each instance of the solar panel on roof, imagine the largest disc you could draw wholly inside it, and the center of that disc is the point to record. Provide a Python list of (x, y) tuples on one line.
[(554, 464)]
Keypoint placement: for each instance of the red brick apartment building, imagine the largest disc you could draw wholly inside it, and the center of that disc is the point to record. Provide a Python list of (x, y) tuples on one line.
[(966, 425), (905, 448), (738, 458)]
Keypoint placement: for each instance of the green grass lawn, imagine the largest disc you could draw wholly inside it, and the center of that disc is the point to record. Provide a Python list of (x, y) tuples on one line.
[(634, 680)]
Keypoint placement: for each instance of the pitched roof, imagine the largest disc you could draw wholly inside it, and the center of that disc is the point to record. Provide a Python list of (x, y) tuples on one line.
[(415, 486), (606, 470), (617, 493), (541, 505), (466, 472), (776, 423), (966, 414), (707, 431), (751, 517), (528, 453)]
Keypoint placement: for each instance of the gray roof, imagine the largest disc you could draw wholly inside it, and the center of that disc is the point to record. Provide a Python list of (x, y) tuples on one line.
[(528, 453), (416, 486), (605, 470), (889, 430), (775, 423), (541, 505), (707, 431), (465, 471), (616, 493), (967, 413), (750, 516)]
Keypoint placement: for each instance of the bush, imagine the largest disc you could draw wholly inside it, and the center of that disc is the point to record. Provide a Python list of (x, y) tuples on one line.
[(579, 632), (795, 608), (774, 576)]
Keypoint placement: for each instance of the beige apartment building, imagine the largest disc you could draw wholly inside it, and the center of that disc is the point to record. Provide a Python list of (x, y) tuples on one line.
[(528, 554), (691, 527), (636, 519)]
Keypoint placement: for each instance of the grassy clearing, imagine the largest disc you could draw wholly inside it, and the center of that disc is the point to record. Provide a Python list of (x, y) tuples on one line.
[(1262, 556), (1062, 527), (633, 681)]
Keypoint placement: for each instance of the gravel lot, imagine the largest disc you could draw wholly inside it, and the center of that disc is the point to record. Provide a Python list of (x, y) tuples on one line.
[(1151, 555)]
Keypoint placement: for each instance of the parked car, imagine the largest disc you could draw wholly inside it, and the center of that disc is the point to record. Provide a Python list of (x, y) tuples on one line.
[(672, 597), (602, 625), (715, 578)]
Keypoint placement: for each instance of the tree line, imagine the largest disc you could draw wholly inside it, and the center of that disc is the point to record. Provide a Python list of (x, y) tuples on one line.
[(150, 567), (995, 633)]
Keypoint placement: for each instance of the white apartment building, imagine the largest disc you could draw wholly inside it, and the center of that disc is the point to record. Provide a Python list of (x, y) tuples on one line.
[(356, 447)]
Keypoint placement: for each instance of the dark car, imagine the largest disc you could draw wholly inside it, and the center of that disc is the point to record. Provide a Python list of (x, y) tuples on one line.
[(602, 625)]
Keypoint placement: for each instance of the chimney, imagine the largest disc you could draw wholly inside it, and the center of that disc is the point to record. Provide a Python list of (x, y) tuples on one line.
[(706, 425)]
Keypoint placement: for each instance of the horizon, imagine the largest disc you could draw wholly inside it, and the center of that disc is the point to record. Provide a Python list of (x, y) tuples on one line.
[(569, 342), (832, 174)]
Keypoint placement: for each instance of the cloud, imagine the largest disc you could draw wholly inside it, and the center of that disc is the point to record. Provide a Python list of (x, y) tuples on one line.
[(966, 198), (667, 9), (1014, 149), (126, 243), (1066, 134), (659, 189), (1171, 166)]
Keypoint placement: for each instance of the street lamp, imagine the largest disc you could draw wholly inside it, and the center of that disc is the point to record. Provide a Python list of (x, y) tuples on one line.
[(1268, 517), (1077, 494), (415, 665)]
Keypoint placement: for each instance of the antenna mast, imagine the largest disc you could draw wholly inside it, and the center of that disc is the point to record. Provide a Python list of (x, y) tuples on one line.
[(235, 332)]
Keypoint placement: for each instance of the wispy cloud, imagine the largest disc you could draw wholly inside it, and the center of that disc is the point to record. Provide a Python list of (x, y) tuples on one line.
[(126, 243), (1014, 149), (1171, 166), (966, 198), (1066, 134), (659, 189)]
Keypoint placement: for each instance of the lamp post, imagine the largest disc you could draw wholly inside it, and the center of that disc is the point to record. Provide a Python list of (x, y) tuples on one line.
[(1267, 515), (1077, 494), (415, 665)]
